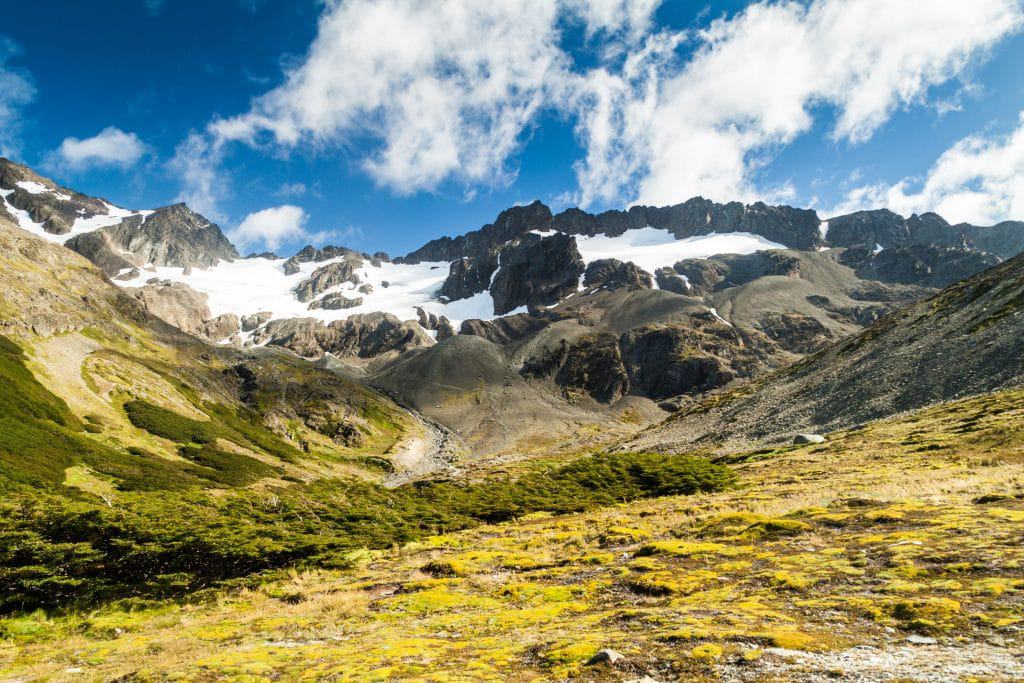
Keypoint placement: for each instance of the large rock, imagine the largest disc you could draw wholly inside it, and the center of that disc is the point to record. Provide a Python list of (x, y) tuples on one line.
[(795, 332), (329, 276), (615, 274), (364, 335), (183, 307), (732, 270), (310, 254), (508, 329), (536, 271)]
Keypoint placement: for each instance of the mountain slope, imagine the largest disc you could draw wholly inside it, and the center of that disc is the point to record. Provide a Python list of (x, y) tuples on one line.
[(966, 340)]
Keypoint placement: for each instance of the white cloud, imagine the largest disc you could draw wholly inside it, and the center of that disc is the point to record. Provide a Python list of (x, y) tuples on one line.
[(197, 163), (422, 92), (16, 91), (271, 228), (707, 125), (110, 147), (978, 180)]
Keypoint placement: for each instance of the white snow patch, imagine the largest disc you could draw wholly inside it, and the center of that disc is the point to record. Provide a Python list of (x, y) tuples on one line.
[(32, 187), (823, 229), (248, 286), (714, 312), (653, 248), (878, 248)]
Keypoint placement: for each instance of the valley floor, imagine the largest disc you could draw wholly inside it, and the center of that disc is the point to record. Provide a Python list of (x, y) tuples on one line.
[(892, 552)]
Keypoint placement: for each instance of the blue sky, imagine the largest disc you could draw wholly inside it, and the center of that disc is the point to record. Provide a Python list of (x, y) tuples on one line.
[(383, 124)]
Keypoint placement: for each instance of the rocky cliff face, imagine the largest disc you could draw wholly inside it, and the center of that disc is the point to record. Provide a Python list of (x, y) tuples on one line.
[(181, 306), (795, 228), (55, 207), (536, 271), (172, 236)]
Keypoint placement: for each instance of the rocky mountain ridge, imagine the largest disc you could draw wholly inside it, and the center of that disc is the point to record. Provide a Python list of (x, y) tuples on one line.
[(592, 312)]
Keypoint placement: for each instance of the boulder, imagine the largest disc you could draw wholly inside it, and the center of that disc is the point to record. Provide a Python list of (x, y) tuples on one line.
[(335, 301), (606, 656), (808, 438), (251, 322)]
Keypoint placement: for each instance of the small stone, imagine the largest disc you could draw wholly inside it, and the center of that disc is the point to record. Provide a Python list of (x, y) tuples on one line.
[(808, 438), (921, 640), (605, 656)]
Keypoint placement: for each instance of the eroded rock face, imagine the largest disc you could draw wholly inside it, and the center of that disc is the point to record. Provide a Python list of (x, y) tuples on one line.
[(331, 275), (172, 236), (671, 281), (594, 365), (183, 307), (615, 274), (536, 271), (926, 265), (363, 335), (508, 329)]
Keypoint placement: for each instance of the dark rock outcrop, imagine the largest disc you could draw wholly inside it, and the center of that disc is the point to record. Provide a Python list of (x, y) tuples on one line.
[(732, 270), (469, 275), (536, 271), (671, 281), (508, 329), (927, 265), (310, 254), (251, 322), (615, 274), (594, 365)]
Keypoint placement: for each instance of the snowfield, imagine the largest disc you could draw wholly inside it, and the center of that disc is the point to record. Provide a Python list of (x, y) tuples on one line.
[(249, 286)]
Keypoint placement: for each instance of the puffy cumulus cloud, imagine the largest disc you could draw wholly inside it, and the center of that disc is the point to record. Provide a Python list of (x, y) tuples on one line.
[(270, 228), (978, 180), (706, 125), (110, 147), (16, 91)]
